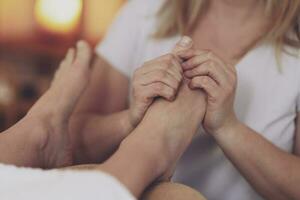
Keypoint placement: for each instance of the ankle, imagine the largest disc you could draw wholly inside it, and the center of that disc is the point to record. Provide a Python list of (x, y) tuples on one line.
[(149, 151), (35, 136)]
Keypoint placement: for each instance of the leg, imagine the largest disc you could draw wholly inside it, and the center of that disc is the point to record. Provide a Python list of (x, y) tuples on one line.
[(171, 191), (41, 138), (158, 142)]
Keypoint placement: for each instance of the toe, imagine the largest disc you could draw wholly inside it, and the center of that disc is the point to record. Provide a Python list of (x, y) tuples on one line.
[(70, 57), (83, 53)]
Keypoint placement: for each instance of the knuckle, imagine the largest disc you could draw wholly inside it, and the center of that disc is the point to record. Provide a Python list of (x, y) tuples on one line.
[(158, 87), (166, 64), (161, 74), (211, 64), (197, 70), (196, 81), (143, 98), (169, 57), (210, 54), (205, 80), (171, 93)]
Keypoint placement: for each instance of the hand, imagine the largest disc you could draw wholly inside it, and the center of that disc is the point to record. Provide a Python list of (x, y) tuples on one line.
[(208, 72), (160, 77)]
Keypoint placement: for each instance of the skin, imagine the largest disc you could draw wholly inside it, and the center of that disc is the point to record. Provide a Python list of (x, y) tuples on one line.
[(95, 113), (41, 138), (266, 164), (267, 174), (172, 191), (49, 146), (166, 142), (222, 31), (160, 148)]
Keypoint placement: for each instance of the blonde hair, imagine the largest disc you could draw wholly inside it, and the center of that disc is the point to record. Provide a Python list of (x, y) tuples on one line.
[(181, 16)]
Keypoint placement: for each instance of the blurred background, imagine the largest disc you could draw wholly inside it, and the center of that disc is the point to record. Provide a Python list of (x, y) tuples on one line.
[(34, 37)]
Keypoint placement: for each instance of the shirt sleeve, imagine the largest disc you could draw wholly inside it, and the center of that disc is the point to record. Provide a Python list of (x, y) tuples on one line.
[(121, 41), (21, 183)]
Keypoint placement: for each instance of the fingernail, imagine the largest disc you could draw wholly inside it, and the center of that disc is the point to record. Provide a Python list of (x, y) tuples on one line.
[(185, 41)]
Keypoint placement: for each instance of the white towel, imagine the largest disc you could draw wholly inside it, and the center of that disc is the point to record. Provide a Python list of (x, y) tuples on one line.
[(33, 184)]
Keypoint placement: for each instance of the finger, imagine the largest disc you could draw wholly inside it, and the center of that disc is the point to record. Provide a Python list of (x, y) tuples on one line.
[(228, 68), (166, 63), (159, 89), (171, 62), (188, 54), (210, 69), (184, 44), (217, 59), (176, 71), (195, 61), (207, 84), (168, 59), (176, 74), (159, 76)]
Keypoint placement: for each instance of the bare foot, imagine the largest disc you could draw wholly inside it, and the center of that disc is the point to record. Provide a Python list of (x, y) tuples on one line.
[(181, 119), (54, 108), (157, 143)]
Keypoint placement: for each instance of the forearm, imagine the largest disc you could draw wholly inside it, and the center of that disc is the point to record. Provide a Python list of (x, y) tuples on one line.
[(272, 172), (95, 137)]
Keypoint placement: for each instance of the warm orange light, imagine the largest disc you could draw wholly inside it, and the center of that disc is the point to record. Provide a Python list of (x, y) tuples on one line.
[(58, 16), (99, 16)]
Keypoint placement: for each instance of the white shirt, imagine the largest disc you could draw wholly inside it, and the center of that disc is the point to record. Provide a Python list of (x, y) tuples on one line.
[(33, 184), (267, 100)]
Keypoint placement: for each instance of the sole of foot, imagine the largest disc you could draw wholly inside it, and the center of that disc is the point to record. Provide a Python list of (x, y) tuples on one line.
[(53, 110)]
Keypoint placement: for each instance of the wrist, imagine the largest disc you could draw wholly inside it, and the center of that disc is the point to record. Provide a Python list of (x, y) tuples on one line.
[(232, 127)]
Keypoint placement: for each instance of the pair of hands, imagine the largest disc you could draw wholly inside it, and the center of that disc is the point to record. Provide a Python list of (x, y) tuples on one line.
[(163, 76)]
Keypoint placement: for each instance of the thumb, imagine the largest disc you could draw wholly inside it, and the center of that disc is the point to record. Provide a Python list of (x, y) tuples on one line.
[(185, 43)]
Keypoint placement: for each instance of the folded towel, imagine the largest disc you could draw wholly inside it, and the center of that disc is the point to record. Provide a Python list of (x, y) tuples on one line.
[(34, 184)]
